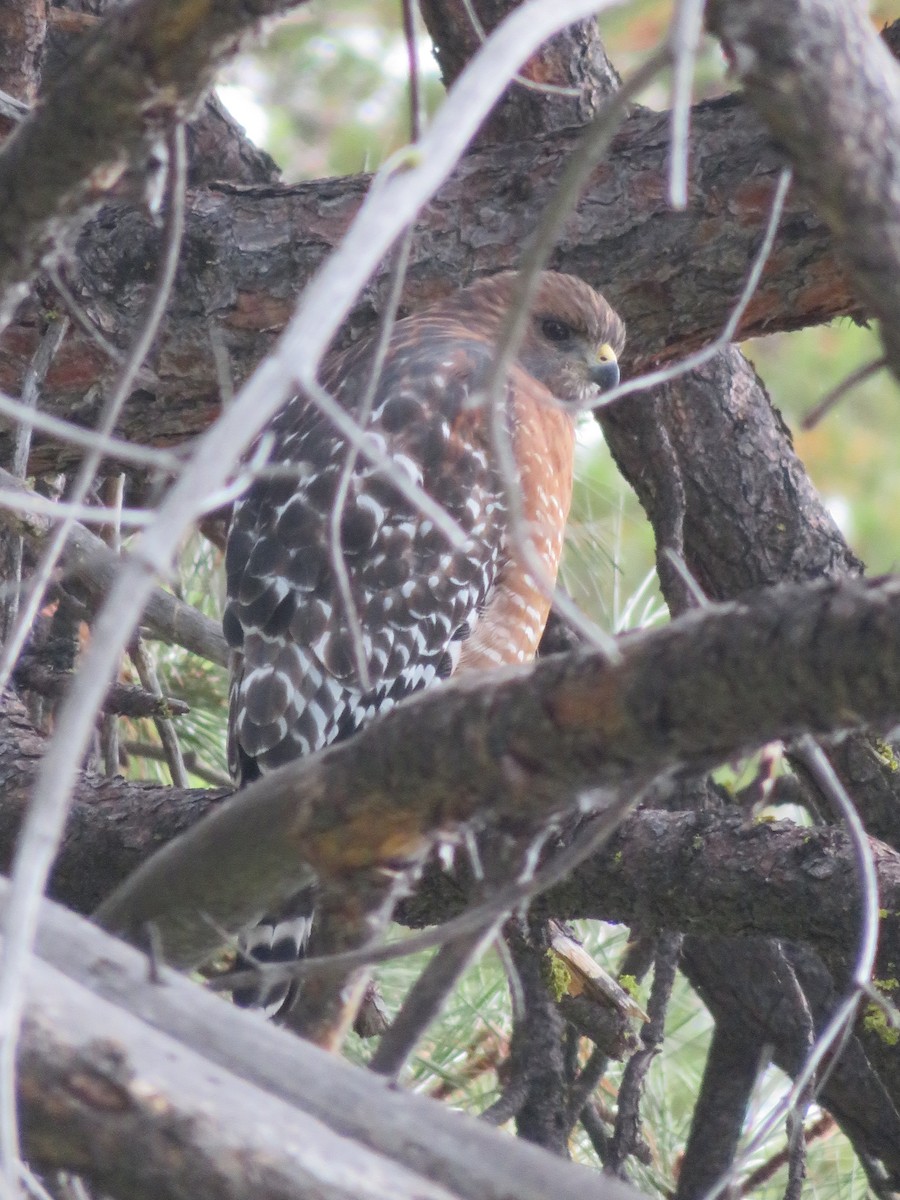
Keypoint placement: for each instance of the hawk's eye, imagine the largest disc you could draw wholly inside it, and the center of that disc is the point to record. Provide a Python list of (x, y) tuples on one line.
[(555, 331)]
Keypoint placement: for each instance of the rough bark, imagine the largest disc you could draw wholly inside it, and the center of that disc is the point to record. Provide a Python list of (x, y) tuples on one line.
[(249, 252), (574, 59), (338, 1110), (141, 1116), (699, 871)]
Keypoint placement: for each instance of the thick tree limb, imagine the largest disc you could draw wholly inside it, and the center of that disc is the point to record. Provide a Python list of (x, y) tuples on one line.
[(527, 743), (621, 234), (140, 1115), (672, 870), (249, 252), (701, 872), (124, 1063)]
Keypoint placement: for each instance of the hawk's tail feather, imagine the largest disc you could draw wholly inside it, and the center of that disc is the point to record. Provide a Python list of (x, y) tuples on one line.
[(280, 937)]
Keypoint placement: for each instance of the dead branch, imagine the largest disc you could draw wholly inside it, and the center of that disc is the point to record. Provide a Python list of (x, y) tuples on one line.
[(138, 1114), (122, 1054)]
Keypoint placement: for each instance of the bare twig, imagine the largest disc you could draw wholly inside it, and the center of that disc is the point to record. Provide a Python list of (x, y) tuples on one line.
[(123, 699), (111, 409), (627, 1132), (12, 108), (112, 535), (756, 1179), (31, 384), (643, 383), (192, 762), (91, 439), (34, 377), (531, 85), (72, 511), (143, 664), (847, 384), (416, 109), (684, 38), (425, 1000)]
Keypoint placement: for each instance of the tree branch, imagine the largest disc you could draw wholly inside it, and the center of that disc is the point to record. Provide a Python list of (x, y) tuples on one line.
[(528, 744), (621, 232), (92, 1017)]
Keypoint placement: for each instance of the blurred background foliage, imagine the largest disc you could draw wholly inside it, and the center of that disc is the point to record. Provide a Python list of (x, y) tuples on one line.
[(327, 95)]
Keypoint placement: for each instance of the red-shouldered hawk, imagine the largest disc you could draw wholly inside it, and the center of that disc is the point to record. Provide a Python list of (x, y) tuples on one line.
[(423, 608)]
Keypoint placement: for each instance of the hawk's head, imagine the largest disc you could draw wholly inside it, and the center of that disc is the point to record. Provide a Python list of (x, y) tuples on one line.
[(573, 338)]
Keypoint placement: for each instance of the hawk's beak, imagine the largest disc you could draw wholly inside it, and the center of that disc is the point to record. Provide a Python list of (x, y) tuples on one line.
[(604, 371)]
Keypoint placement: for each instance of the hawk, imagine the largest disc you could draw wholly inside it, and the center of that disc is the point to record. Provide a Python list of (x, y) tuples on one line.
[(305, 671)]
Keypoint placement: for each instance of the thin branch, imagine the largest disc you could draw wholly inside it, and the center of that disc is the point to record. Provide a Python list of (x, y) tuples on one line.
[(847, 384), (34, 378), (531, 85), (122, 699), (84, 478), (416, 108), (31, 385), (90, 439), (89, 562), (820, 1128), (591, 145), (684, 39), (71, 511), (164, 726), (193, 763), (12, 108), (643, 383), (475, 920), (626, 1136), (86, 325)]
